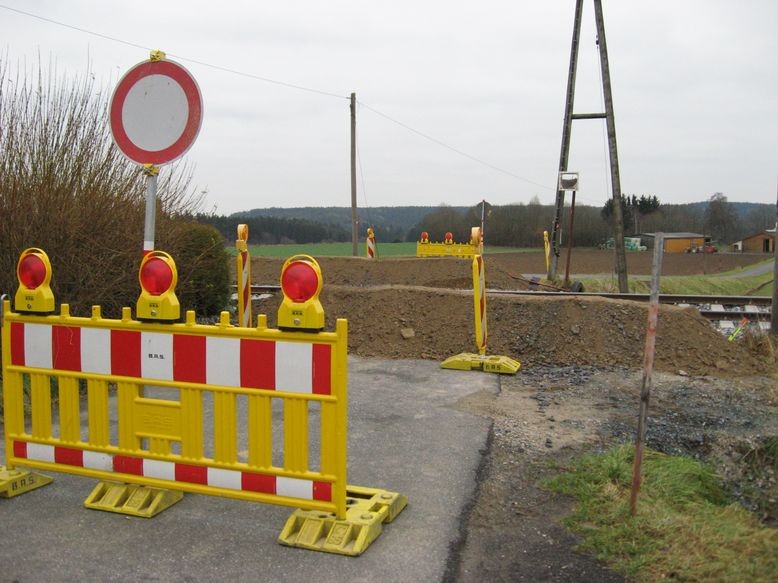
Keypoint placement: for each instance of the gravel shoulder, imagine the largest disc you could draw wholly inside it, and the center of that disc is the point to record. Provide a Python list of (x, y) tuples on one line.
[(545, 416)]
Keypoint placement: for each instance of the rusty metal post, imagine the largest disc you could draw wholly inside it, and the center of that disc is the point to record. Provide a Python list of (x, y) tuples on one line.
[(648, 369)]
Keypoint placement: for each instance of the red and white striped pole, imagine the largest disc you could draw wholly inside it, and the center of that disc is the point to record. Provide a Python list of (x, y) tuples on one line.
[(370, 241), (244, 277)]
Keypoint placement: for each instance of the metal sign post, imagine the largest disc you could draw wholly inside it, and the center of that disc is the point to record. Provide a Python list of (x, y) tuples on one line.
[(156, 112), (569, 181)]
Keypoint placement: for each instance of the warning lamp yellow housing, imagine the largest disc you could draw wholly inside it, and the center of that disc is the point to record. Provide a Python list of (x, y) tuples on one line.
[(301, 282), (158, 277), (34, 272)]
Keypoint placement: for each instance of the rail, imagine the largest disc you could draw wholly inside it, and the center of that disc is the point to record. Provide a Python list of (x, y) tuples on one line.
[(711, 307)]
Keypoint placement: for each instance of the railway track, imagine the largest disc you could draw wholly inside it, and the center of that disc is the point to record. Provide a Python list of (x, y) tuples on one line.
[(717, 308), (723, 311)]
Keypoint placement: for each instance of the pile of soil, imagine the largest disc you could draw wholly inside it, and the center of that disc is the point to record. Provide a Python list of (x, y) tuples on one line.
[(423, 308)]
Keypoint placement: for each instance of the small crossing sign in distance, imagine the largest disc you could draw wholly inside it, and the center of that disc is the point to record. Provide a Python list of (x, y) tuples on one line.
[(156, 112)]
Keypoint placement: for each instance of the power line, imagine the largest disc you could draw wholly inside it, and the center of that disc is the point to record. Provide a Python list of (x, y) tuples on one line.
[(452, 148), (180, 57), (72, 27), (364, 190), (282, 84)]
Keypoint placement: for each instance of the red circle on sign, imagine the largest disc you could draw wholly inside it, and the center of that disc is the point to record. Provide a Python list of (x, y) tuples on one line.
[(194, 115)]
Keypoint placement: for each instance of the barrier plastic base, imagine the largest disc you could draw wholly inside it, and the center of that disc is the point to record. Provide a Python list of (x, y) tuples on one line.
[(131, 499), (469, 361), (368, 509), (15, 482)]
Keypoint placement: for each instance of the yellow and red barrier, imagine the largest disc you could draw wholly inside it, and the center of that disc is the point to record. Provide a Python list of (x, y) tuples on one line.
[(480, 361), (448, 248), (161, 448), (243, 260), (370, 243), (223, 362), (479, 303)]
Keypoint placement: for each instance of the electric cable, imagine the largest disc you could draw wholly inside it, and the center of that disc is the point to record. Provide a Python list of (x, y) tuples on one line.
[(179, 57), (453, 149), (284, 84)]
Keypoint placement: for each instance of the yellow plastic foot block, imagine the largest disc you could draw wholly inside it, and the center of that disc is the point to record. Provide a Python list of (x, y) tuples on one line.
[(131, 499), (15, 482), (368, 509), (469, 361)]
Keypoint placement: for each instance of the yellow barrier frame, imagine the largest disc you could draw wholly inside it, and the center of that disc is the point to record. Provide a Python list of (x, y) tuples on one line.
[(450, 249), (463, 250), (160, 443)]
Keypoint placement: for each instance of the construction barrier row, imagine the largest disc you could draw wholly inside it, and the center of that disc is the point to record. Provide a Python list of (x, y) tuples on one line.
[(448, 248), (185, 407)]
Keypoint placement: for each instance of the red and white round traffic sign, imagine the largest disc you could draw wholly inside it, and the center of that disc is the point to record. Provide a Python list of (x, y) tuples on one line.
[(156, 112)]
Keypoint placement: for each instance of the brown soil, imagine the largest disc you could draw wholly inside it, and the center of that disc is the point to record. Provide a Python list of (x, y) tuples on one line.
[(578, 389), (382, 299)]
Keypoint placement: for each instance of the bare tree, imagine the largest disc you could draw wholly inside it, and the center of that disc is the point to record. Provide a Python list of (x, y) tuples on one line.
[(721, 219), (64, 187)]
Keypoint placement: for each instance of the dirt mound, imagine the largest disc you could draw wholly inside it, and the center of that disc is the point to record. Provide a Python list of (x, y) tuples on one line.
[(385, 300), (534, 330)]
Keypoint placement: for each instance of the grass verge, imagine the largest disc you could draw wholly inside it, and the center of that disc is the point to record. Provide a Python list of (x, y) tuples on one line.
[(688, 284), (685, 529)]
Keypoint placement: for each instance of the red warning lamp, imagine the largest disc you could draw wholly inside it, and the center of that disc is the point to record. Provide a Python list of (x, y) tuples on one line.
[(34, 272), (449, 238), (301, 283), (158, 278), (425, 237)]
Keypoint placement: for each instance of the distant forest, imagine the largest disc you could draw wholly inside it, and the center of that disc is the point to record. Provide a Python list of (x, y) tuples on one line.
[(519, 225)]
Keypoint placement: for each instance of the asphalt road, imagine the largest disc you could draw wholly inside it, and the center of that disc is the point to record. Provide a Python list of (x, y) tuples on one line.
[(405, 435)]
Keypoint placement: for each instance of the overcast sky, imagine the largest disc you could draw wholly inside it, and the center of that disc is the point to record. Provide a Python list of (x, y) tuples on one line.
[(695, 88)]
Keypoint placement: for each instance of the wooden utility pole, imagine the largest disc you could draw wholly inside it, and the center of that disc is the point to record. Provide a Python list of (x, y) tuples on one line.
[(556, 233), (774, 314), (618, 220), (621, 260), (354, 220)]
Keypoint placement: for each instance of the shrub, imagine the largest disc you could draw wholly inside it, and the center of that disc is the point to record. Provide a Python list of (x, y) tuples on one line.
[(65, 187), (203, 269)]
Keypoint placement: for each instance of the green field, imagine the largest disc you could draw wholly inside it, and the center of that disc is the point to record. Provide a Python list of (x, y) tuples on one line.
[(345, 250)]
